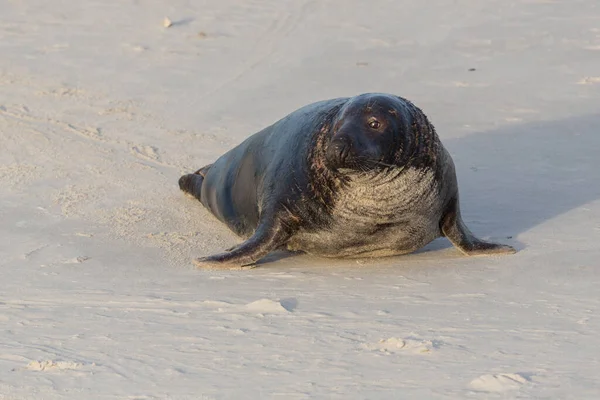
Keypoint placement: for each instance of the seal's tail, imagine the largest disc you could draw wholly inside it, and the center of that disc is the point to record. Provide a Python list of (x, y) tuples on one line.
[(192, 183)]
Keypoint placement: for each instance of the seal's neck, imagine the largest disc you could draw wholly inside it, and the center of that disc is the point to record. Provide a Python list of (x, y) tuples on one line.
[(425, 146), (374, 177), (385, 197)]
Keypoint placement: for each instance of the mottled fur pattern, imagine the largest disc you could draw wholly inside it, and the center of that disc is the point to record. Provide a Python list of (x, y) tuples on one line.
[(370, 218)]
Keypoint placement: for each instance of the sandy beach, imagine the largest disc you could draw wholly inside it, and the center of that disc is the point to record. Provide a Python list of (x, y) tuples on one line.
[(104, 104)]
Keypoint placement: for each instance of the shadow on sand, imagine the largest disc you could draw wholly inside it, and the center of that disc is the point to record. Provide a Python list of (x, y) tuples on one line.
[(519, 176)]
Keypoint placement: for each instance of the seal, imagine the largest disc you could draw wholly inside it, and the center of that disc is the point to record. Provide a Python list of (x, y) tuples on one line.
[(365, 176)]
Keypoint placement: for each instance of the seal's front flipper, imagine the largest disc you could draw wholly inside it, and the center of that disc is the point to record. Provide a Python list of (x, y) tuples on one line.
[(457, 232), (266, 238)]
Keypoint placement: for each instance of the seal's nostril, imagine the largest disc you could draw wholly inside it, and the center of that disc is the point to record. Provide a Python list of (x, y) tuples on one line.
[(337, 152), (344, 151), (341, 149)]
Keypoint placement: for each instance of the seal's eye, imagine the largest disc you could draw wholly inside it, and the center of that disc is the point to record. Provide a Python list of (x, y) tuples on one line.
[(374, 124)]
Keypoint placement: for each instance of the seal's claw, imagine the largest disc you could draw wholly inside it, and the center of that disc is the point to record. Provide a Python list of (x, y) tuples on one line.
[(208, 264), (486, 249), (215, 263)]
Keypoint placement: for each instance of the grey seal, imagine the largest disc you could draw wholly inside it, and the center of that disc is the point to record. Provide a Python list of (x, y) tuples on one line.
[(365, 176)]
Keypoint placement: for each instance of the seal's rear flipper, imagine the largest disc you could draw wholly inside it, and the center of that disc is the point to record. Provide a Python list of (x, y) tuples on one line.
[(457, 232), (192, 184), (202, 171), (267, 237)]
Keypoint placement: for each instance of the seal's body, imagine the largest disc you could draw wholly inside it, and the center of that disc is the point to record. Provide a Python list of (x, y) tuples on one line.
[(349, 177)]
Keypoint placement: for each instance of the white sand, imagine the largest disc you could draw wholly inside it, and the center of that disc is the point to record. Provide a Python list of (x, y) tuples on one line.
[(102, 108)]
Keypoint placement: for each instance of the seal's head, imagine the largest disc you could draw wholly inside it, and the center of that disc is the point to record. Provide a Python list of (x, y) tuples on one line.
[(371, 131)]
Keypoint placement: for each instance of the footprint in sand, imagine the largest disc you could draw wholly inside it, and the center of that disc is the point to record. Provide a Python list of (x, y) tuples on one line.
[(146, 152), (266, 306), (407, 345), (76, 260), (498, 382), (589, 80), (49, 365), (262, 306)]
